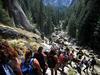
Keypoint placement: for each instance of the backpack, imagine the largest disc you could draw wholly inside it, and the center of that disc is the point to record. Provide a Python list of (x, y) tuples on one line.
[(27, 69), (7, 70), (36, 66), (51, 62), (93, 62)]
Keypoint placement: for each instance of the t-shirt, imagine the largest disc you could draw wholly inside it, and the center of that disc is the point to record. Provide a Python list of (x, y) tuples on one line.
[(51, 61), (61, 58), (40, 58)]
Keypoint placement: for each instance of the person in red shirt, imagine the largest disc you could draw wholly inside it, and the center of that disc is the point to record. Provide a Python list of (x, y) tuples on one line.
[(71, 57), (52, 61), (40, 57)]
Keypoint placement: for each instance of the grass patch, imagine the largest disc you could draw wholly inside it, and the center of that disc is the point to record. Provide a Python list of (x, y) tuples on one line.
[(72, 72)]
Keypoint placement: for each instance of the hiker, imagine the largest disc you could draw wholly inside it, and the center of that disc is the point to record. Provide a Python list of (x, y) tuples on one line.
[(92, 63), (26, 67), (7, 55), (68, 56), (79, 66), (80, 54), (52, 61), (63, 58), (71, 57), (35, 64), (86, 63), (40, 57)]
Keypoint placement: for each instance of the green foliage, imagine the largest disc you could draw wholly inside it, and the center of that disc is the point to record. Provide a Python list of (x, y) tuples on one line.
[(81, 18), (72, 72), (72, 26), (38, 13), (84, 22), (4, 17), (49, 27)]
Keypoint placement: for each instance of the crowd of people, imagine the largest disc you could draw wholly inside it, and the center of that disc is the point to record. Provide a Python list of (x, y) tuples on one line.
[(36, 62)]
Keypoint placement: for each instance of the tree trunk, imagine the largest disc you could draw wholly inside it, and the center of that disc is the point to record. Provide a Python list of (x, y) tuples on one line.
[(16, 12)]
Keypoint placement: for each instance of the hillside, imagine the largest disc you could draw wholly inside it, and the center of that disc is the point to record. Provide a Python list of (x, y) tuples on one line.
[(80, 19), (17, 33)]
